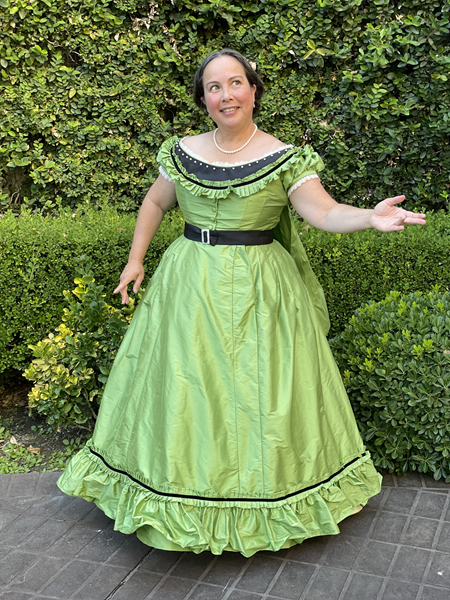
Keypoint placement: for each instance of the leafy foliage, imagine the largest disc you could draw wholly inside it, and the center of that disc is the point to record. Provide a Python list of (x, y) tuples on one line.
[(38, 259), (91, 89), (395, 357), (71, 368)]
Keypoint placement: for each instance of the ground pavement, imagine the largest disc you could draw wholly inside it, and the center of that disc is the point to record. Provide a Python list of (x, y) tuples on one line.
[(55, 547)]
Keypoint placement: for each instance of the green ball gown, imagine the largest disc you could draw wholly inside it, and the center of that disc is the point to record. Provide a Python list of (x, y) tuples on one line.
[(225, 425)]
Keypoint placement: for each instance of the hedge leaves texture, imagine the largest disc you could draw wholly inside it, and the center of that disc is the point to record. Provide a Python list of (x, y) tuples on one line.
[(91, 88)]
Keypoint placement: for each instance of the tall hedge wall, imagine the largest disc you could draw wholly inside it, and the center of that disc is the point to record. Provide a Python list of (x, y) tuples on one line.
[(92, 87), (38, 260)]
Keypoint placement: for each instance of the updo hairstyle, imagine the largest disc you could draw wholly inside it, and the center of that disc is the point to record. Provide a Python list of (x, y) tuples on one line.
[(252, 77)]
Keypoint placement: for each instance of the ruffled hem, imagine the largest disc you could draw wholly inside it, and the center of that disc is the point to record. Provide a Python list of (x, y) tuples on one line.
[(171, 523), (311, 162)]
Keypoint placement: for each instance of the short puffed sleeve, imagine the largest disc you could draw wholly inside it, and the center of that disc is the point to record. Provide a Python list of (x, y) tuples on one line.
[(307, 165), (164, 158)]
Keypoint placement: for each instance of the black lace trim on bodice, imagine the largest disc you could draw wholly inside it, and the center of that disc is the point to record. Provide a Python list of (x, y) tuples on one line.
[(204, 174)]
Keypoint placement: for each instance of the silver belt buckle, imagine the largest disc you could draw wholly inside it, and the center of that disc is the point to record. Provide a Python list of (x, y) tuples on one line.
[(203, 231)]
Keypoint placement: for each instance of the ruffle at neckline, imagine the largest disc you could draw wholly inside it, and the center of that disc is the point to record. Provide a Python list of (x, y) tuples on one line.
[(196, 525), (309, 159)]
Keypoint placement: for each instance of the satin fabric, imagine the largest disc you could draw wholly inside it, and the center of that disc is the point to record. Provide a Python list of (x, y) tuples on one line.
[(225, 424)]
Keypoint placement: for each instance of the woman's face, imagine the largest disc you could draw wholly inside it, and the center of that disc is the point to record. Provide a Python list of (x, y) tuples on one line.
[(228, 95)]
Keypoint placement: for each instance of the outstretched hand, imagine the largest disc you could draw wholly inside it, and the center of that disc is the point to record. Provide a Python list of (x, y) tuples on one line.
[(134, 271), (388, 217)]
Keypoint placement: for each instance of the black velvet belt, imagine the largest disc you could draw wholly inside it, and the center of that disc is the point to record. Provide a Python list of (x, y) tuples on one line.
[(226, 237)]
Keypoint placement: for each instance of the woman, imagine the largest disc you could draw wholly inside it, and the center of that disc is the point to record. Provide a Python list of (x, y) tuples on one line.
[(224, 424)]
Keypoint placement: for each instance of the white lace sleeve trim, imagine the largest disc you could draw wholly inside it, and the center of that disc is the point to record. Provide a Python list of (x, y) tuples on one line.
[(164, 174), (300, 181)]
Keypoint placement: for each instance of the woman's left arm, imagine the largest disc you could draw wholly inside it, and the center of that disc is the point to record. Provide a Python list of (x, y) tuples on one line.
[(317, 207)]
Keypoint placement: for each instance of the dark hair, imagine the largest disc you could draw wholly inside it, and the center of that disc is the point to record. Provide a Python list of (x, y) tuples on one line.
[(250, 73)]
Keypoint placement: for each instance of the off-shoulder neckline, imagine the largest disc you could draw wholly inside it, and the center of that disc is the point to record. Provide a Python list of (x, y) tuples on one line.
[(219, 163)]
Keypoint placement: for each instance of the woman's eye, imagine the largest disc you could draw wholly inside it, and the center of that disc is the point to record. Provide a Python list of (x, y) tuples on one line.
[(236, 81), (213, 88)]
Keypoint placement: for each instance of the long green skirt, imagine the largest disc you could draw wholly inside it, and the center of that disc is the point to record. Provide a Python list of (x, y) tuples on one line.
[(224, 424)]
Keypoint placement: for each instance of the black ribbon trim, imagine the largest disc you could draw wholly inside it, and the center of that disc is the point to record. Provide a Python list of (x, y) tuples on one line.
[(172, 495), (225, 187)]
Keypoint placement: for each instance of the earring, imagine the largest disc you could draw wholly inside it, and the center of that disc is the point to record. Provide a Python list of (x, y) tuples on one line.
[(253, 105)]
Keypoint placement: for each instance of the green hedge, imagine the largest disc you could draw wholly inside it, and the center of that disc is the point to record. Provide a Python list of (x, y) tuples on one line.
[(92, 87), (358, 267), (38, 260)]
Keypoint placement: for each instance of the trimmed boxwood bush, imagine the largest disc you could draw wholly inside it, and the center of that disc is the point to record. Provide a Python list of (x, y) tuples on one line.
[(71, 368), (38, 261), (395, 358)]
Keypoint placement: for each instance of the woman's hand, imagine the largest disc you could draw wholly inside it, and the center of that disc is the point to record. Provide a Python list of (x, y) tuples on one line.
[(388, 217), (134, 271)]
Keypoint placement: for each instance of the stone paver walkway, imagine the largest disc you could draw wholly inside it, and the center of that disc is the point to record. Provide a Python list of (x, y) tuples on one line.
[(55, 547)]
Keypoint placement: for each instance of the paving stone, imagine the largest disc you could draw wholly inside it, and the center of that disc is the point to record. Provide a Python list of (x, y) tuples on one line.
[(400, 500), (14, 563), (363, 587), (278, 553), (74, 510), (160, 561), (311, 550), (327, 584), (358, 525), (292, 580), (439, 573), (411, 480), (447, 513), (23, 484), (389, 527), (74, 540), (376, 558), (45, 506), (241, 595), (205, 592), (191, 566), (439, 484), (102, 583), (410, 564), (389, 480), (6, 516), (47, 484), (13, 595), (138, 586), (342, 551), (5, 480), (173, 588), (432, 593), (70, 579), (399, 590), (420, 532), (444, 539), (97, 519), (259, 574), (130, 553), (375, 501), (16, 531), (430, 505), (39, 574), (102, 545), (226, 569), (44, 536)]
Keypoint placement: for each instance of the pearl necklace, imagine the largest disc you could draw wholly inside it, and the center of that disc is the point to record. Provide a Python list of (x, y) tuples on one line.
[(239, 149)]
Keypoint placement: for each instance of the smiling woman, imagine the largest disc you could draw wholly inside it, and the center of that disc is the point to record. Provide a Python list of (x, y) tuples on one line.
[(225, 425)]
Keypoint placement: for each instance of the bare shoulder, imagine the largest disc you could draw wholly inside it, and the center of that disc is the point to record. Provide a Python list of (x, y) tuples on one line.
[(197, 142), (269, 142)]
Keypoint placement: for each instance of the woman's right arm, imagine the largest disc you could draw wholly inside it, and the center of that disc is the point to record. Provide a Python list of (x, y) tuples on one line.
[(159, 198)]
